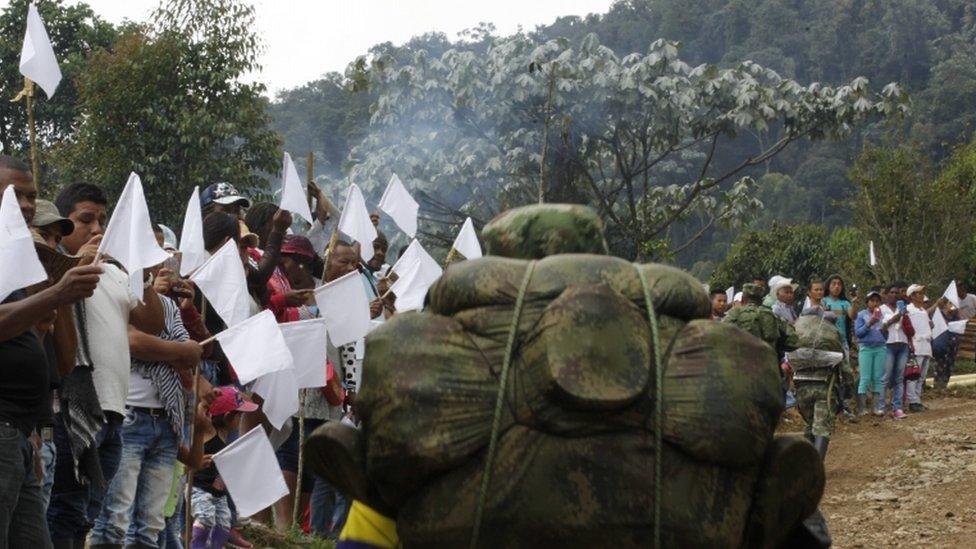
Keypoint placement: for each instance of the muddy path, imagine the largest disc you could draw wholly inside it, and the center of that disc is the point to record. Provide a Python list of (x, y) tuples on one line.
[(907, 483)]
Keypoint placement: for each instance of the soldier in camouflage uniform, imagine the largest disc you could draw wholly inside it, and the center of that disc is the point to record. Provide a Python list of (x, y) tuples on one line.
[(760, 321), (818, 367)]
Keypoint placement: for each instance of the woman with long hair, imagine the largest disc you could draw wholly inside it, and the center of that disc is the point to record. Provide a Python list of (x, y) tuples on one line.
[(837, 302)]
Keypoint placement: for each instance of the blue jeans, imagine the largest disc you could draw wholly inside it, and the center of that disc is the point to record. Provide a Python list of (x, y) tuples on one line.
[(142, 484), (21, 507), (172, 536), (894, 375), (74, 506), (328, 508)]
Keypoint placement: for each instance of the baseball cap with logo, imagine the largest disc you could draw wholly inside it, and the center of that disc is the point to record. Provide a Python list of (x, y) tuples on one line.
[(222, 193), (230, 400)]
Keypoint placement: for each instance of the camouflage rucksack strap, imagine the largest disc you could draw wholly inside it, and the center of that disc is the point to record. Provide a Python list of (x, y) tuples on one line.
[(499, 403), (658, 402)]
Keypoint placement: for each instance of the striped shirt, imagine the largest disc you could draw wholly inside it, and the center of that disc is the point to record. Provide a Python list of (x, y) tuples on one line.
[(163, 376)]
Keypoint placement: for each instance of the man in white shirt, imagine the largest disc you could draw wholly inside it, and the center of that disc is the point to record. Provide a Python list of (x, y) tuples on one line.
[(104, 346), (967, 302), (922, 342), (897, 347)]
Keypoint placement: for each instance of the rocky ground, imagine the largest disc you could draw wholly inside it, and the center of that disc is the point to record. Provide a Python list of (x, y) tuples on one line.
[(907, 483)]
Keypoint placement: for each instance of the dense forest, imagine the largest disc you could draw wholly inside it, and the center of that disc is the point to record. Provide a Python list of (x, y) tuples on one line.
[(927, 46)]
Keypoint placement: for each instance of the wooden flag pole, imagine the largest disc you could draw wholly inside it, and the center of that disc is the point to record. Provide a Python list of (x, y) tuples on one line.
[(28, 94), (451, 256), (188, 493), (310, 175), (31, 128), (296, 510)]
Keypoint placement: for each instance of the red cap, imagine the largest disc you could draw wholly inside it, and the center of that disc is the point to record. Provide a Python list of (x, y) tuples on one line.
[(230, 400)]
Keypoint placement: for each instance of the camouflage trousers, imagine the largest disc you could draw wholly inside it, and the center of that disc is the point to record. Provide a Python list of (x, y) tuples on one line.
[(817, 412)]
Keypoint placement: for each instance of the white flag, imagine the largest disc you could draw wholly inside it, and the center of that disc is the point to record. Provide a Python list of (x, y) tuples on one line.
[(280, 393), (224, 283), (191, 237), (871, 257), (129, 237), (355, 223), (250, 471), (344, 305), (37, 60), (952, 294), (255, 347), (729, 295), (19, 264), (939, 325), (400, 206), (958, 326), (416, 271), (466, 242), (307, 341), (293, 196)]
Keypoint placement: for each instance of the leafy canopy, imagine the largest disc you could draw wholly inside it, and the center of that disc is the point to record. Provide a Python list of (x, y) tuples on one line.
[(634, 136), (168, 103)]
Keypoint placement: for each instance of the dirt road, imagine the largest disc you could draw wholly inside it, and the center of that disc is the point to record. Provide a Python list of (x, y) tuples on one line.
[(907, 483)]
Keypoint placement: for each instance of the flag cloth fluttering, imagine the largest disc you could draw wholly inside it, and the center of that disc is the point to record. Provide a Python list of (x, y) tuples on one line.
[(37, 60), (400, 206), (19, 265)]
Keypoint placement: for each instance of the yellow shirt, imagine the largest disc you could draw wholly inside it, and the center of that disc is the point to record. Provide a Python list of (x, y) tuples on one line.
[(367, 528)]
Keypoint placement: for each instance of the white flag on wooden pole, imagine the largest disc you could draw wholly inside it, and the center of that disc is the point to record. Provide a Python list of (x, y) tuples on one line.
[(344, 305), (400, 206), (224, 283), (466, 242), (355, 222), (37, 60), (250, 471), (255, 347), (307, 340), (293, 195), (191, 237), (129, 237)]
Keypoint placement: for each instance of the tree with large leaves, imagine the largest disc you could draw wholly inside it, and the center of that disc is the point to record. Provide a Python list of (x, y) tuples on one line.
[(168, 102), (75, 31), (637, 137)]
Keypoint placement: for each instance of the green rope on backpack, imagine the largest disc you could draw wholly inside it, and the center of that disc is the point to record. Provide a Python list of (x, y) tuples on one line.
[(658, 402), (499, 403)]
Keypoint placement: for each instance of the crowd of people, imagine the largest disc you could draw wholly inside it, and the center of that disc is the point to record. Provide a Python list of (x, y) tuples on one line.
[(113, 402), (880, 335), (101, 415)]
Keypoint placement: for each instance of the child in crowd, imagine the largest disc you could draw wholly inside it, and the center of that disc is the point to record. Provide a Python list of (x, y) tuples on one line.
[(871, 355), (719, 304), (209, 501)]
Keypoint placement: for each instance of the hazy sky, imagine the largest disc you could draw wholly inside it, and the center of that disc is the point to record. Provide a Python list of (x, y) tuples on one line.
[(306, 38)]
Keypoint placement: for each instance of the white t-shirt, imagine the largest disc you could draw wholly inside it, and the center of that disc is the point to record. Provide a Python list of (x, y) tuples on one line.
[(107, 319), (142, 392), (922, 341), (967, 307), (895, 333)]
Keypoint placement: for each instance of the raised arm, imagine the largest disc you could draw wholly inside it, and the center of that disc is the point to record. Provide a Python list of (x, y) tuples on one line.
[(77, 284)]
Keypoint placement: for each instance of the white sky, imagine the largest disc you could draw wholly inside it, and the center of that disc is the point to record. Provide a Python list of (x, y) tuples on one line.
[(306, 38)]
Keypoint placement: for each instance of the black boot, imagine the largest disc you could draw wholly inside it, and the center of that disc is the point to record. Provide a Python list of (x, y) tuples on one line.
[(821, 443)]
